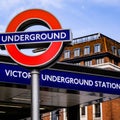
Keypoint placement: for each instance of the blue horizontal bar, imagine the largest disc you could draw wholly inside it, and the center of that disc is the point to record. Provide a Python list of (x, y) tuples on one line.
[(36, 37), (15, 74)]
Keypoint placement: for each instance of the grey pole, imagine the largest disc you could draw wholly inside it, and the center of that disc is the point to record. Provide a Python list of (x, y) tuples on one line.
[(35, 94)]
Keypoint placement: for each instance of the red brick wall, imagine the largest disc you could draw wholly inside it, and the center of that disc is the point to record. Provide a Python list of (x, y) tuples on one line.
[(81, 46), (90, 112), (46, 116), (116, 109), (61, 115), (111, 110), (106, 110)]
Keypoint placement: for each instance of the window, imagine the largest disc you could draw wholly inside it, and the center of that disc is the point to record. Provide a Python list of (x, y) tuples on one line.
[(66, 54), (119, 52), (115, 62), (114, 50), (97, 48), (54, 115), (87, 50), (76, 63), (97, 111), (76, 52), (88, 63), (99, 60), (83, 111)]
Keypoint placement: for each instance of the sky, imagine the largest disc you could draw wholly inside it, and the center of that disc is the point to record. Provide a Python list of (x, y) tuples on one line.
[(83, 17)]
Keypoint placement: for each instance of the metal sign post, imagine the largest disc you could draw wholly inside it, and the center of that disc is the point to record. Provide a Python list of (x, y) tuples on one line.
[(35, 94)]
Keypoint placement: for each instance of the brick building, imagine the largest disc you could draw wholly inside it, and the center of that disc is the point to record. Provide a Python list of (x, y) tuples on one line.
[(95, 50)]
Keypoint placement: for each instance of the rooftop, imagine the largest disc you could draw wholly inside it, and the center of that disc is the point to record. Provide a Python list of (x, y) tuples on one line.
[(90, 37)]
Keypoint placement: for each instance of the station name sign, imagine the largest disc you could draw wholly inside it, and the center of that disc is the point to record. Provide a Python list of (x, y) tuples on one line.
[(80, 81), (61, 79), (35, 37)]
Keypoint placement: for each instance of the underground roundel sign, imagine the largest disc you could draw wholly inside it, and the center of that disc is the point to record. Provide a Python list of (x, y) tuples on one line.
[(29, 18)]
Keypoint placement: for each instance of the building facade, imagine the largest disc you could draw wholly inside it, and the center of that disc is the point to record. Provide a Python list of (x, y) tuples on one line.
[(95, 50)]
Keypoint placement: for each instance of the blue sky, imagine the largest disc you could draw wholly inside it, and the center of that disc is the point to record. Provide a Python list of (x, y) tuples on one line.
[(83, 17)]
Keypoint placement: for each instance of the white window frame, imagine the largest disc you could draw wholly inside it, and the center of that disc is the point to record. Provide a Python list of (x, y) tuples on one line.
[(86, 50), (99, 61), (77, 63), (97, 48), (88, 63), (83, 117), (119, 52), (114, 50), (76, 52), (66, 54), (94, 117), (64, 114)]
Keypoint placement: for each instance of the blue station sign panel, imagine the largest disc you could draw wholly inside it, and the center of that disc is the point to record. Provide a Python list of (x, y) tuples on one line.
[(10, 73), (36, 37), (80, 81)]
